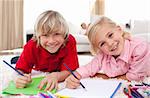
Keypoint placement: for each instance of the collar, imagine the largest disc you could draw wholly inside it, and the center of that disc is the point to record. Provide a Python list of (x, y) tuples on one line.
[(126, 51)]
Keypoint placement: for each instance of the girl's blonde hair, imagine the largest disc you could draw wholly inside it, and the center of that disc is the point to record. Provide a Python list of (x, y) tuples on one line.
[(93, 29), (49, 22)]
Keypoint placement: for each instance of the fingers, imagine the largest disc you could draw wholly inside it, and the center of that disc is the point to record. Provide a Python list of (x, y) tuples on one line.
[(42, 83), (50, 84), (127, 35), (29, 78), (22, 81), (77, 75), (72, 82)]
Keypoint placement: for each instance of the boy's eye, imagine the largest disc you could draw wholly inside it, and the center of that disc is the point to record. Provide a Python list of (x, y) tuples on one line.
[(57, 34), (45, 35)]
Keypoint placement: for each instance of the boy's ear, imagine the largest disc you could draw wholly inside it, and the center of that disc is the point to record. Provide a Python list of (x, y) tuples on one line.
[(66, 36)]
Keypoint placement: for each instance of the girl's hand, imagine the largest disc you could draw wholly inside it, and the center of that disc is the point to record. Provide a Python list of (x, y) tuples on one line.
[(122, 77), (127, 35), (51, 82), (72, 82), (22, 81)]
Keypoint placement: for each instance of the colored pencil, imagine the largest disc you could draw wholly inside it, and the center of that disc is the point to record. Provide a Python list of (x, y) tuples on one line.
[(119, 85), (13, 68), (74, 75)]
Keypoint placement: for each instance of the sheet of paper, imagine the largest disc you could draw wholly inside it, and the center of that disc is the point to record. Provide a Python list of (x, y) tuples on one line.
[(96, 88), (31, 89)]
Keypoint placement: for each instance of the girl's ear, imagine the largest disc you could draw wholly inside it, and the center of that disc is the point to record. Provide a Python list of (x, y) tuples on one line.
[(119, 28)]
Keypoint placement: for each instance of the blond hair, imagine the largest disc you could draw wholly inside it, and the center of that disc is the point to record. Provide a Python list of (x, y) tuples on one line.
[(49, 22), (93, 29)]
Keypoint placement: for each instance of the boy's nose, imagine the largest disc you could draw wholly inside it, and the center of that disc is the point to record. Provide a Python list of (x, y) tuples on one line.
[(50, 39)]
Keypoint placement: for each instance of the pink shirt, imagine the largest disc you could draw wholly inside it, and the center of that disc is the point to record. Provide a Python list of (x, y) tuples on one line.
[(134, 61)]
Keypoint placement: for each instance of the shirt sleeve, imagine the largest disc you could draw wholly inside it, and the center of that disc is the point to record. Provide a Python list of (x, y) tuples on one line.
[(91, 68), (25, 61), (71, 59), (140, 57)]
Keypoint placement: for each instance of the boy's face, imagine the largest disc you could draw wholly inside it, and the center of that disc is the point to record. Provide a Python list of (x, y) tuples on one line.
[(52, 42), (110, 40)]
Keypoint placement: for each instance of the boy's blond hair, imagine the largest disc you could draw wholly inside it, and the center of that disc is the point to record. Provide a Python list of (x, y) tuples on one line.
[(49, 22), (93, 29)]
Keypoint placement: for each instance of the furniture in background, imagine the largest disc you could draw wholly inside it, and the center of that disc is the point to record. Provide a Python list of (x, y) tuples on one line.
[(29, 35), (81, 39), (140, 26), (145, 36)]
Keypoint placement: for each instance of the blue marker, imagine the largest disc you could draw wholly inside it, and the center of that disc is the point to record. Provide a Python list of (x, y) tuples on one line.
[(13, 68), (119, 85)]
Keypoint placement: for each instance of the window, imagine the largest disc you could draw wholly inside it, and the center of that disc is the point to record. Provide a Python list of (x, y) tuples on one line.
[(124, 10)]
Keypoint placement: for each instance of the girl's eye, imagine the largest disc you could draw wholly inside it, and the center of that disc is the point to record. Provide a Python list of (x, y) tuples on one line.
[(102, 44), (110, 35)]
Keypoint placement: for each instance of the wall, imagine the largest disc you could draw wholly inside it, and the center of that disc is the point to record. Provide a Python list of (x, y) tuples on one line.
[(124, 10), (74, 11)]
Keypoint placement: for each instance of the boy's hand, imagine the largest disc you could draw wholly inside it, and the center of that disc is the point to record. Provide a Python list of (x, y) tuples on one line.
[(50, 81), (22, 81), (72, 82)]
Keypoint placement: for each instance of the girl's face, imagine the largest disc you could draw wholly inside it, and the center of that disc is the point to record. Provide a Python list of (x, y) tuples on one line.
[(110, 40), (52, 42)]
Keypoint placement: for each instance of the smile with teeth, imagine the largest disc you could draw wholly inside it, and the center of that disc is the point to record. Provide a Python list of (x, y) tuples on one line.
[(114, 47)]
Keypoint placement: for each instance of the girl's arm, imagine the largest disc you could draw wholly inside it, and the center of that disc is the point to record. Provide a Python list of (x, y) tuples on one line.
[(139, 66), (122, 77), (91, 68)]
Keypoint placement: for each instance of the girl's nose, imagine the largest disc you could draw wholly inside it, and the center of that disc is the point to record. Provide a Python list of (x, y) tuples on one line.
[(110, 42)]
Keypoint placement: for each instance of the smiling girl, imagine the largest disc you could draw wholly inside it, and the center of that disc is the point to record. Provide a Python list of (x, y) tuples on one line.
[(115, 54)]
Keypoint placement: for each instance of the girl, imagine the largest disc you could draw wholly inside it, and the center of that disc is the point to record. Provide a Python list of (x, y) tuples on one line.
[(115, 55), (47, 51)]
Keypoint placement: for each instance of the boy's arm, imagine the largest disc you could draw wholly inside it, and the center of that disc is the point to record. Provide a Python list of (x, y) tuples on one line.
[(71, 58), (27, 58), (61, 76)]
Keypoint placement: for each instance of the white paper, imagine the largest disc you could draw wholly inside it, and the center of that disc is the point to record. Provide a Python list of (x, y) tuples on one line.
[(96, 88)]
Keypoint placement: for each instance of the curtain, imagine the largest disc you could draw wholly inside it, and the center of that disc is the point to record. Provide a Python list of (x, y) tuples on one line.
[(98, 7), (11, 24)]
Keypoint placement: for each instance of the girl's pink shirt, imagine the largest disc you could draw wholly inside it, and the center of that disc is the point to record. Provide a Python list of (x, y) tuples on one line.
[(134, 61)]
